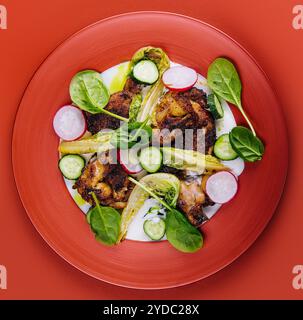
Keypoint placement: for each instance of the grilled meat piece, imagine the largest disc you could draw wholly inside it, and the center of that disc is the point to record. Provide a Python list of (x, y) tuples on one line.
[(191, 200), (186, 110), (108, 181), (119, 104), (132, 86)]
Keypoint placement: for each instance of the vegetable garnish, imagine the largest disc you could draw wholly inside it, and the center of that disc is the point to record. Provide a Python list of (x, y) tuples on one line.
[(145, 71), (224, 80), (179, 78), (97, 143), (180, 233), (129, 160), (248, 147), (223, 148), (162, 185), (156, 55), (151, 159), (69, 123), (215, 106), (89, 93), (190, 160), (71, 166), (130, 134), (221, 187), (154, 228), (104, 222), (135, 107), (150, 191), (159, 57)]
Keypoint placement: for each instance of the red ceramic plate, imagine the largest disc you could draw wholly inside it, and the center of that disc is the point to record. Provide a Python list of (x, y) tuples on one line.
[(56, 216)]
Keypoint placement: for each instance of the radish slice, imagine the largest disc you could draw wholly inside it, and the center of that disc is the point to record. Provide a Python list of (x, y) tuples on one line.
[(221, 187), (179, 78), (129, 160), (69, 123)]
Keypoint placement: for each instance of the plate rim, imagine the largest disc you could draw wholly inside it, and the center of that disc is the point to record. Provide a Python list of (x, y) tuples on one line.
[(279, 109)]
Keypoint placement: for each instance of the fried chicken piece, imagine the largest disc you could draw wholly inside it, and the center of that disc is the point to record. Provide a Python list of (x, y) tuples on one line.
[(119, 104), (186, 110), (108, 181), (118, 180), (191, 200)]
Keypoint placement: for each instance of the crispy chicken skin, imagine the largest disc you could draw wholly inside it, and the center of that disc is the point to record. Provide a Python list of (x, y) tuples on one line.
[(119, 104), (186, 110), (191, 200), (109, 182)]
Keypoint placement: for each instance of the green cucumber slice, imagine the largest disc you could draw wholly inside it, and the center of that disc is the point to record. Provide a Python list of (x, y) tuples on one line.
[(151, 159), (146, 72), (154, 228), (223, 149), (215, 106), (71, 166)]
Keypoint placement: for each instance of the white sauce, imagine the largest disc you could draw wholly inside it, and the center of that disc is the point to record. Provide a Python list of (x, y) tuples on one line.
[(135, 231)]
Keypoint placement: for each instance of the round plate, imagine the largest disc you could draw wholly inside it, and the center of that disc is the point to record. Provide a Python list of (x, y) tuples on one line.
[(56, 216)]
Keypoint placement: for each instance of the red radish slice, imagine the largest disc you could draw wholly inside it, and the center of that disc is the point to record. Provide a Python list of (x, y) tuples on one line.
[(129, 160), (221, 187), (179, 78), (69, 123)]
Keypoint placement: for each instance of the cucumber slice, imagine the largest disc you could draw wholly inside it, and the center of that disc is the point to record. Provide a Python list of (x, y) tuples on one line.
[(215, 106), (154, 228), (223, 149), (71, 166), (146, 72), (151, 159)]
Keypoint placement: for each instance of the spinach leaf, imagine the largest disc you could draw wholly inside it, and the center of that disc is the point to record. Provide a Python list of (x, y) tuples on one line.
[(224, 80), (104, 222), (88, 92), (135, 107), (181, 234), (130, 134), (249, 147)]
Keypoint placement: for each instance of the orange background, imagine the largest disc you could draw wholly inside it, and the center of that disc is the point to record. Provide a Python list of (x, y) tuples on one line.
[(265, 29)]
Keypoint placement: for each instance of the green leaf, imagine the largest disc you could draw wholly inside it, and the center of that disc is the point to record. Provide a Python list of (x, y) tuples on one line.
[(224, 80), (105, 223), (181, 234), (88, 92), (248, 147), (131, 134)]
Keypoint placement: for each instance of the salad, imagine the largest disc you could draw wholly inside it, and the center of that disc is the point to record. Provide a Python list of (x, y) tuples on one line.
[(150, 150)]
